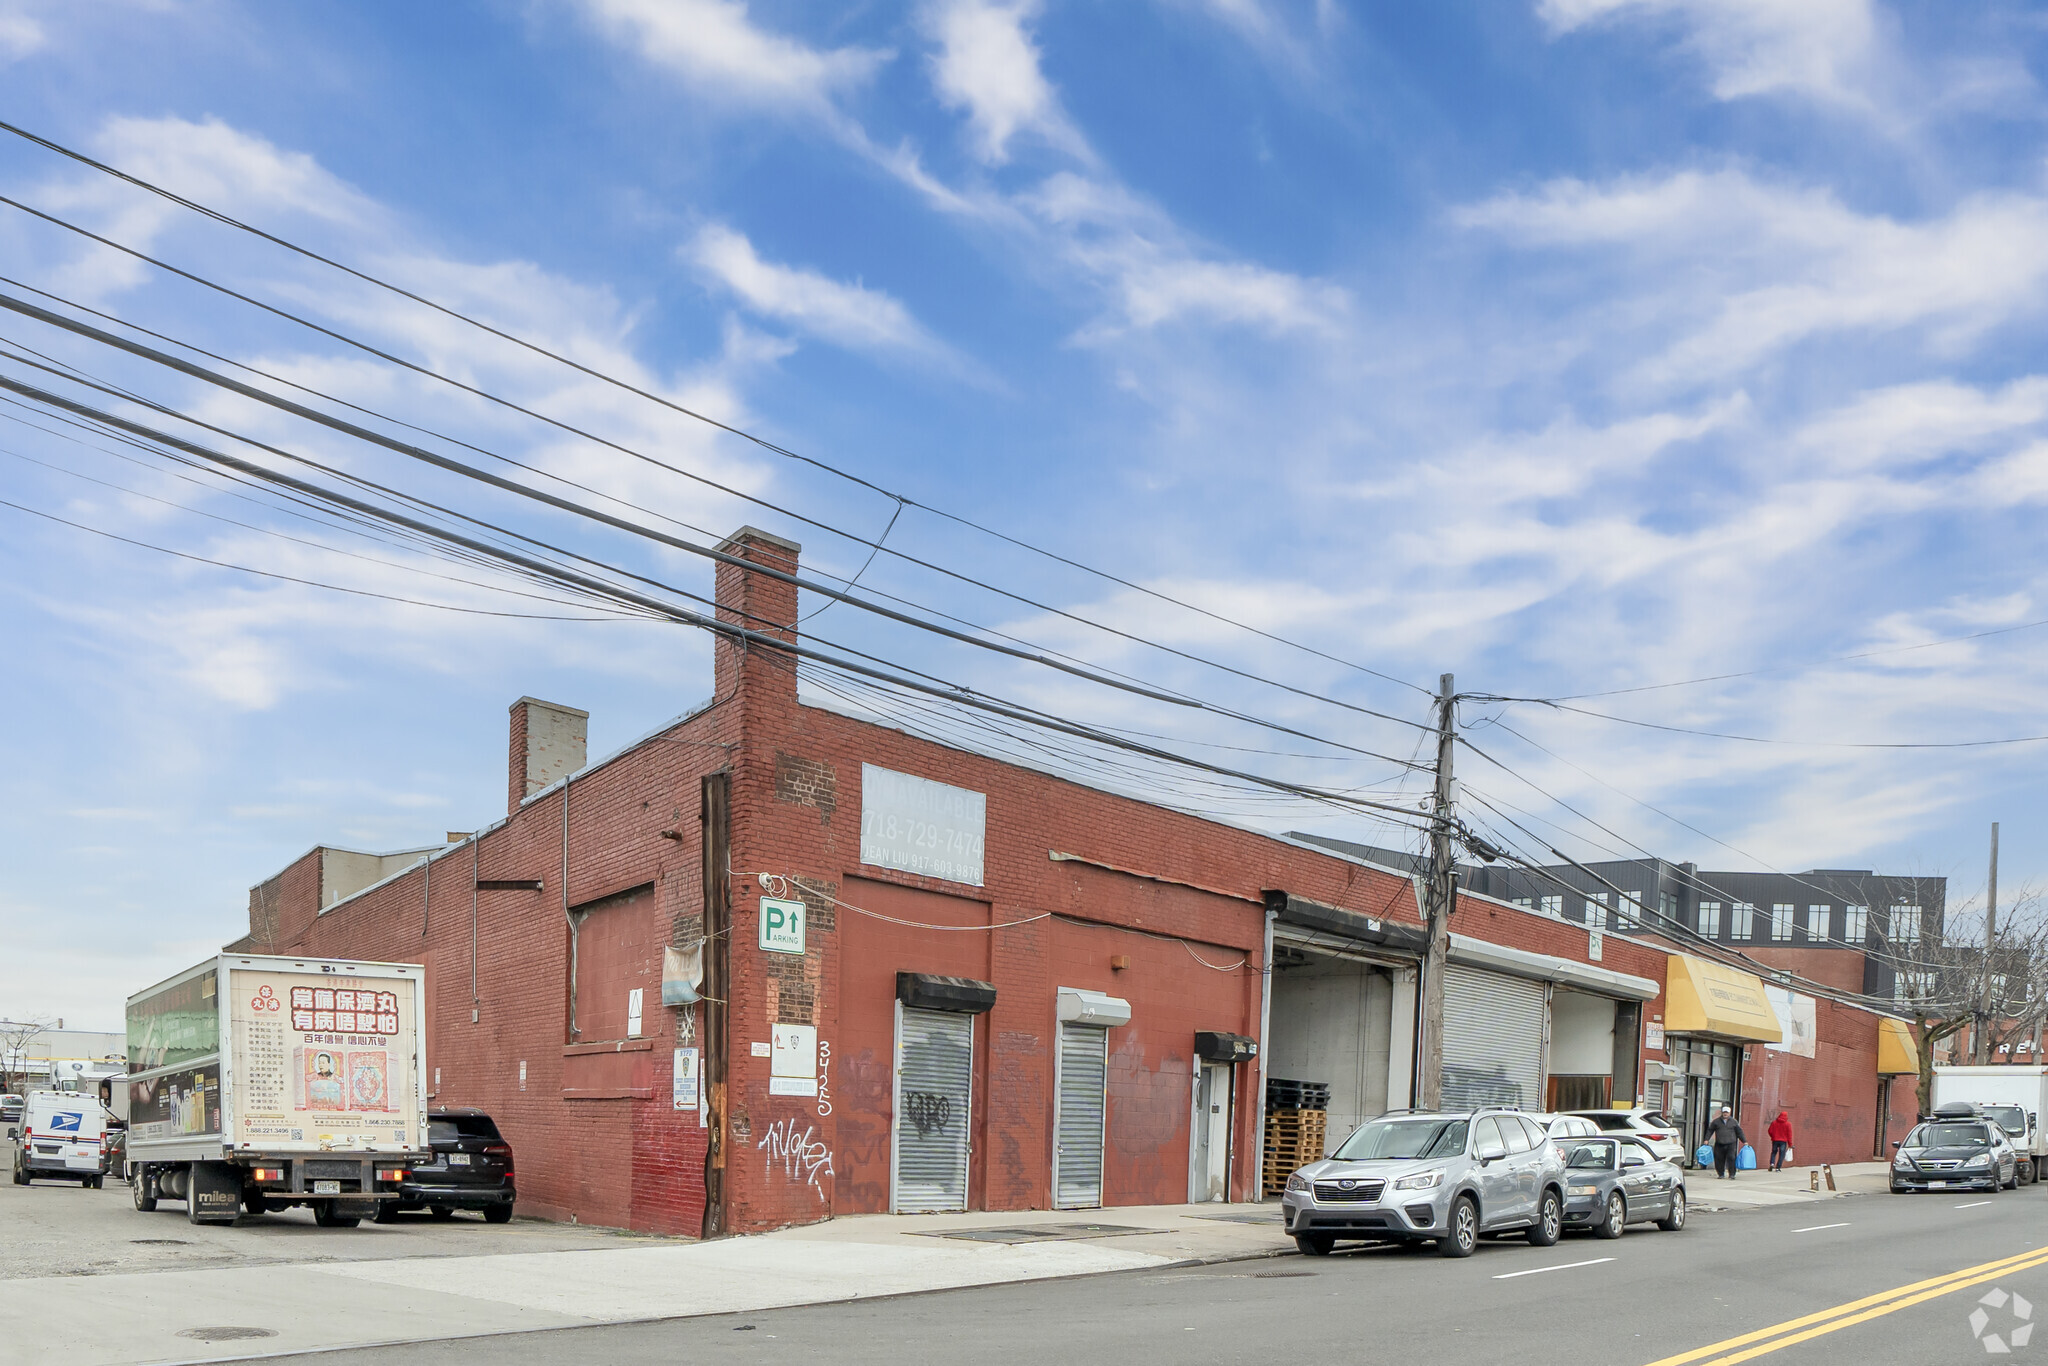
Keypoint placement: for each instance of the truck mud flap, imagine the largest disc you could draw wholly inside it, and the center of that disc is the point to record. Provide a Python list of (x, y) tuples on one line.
[(216, 1193)]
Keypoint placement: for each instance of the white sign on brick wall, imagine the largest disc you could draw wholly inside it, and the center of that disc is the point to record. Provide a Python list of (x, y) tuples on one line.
[(793, 1060), (915, 825)]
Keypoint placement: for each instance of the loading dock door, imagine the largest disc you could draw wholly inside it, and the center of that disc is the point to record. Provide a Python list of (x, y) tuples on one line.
[(934, 1103), (1493, 1040), (1077, 1146)]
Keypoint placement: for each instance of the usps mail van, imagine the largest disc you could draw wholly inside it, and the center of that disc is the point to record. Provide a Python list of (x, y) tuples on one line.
[(63, 1134)]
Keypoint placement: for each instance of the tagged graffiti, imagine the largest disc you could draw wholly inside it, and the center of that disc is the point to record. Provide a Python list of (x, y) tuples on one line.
[(928, 1111), (824, 1077), (804, 1156)]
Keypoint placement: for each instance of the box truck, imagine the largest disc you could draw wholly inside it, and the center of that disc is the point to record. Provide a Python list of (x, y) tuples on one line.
[(260, 1083), (2014, 1095)]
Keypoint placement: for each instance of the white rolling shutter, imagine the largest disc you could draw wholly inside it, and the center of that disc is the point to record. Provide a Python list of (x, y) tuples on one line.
[(1493, 1040), (934, 1103), (1083, 1082)]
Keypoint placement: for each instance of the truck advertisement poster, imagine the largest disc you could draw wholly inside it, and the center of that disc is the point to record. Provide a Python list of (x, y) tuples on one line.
[(325, 1061), (176, 1105)]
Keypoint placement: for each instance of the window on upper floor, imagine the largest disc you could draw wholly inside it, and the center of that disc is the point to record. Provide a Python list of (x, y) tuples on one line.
[(1710, 919), (1554, 905), (1596, 910), (1914, 986), (1741, 920), (1905, 924), (1781, 921), (1855, 925)]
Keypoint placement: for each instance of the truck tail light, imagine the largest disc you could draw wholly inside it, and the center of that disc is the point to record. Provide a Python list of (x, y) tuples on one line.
[(391, 1173), (274, 1175)]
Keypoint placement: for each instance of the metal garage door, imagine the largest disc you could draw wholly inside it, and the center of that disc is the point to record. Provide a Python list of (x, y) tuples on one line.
[(1493, 1040), (934, 1100), (1084, 1077)]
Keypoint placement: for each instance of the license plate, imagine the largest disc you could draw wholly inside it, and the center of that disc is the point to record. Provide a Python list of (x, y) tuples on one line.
[(327, 1188), (1939, 1185), (458, 1159)]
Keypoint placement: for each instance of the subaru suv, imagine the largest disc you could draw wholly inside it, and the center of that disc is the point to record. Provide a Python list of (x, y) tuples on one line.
[(1412, 1176)]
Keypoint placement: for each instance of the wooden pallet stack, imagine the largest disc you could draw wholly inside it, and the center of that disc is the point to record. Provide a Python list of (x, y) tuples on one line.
[(1297, 1117)]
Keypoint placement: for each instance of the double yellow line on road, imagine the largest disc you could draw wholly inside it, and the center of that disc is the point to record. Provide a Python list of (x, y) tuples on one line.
[(1763, 1340)]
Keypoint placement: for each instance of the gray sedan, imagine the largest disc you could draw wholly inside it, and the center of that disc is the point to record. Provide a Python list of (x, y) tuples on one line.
[(1612, 1182)]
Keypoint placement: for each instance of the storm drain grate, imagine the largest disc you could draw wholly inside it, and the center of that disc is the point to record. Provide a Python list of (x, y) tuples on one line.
[(226, 1333), (1037, 1233)]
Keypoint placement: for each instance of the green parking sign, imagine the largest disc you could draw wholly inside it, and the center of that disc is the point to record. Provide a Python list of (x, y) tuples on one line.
[(782, 926)]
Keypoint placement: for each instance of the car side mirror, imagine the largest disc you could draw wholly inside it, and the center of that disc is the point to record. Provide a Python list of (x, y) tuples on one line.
[(1492, 1152), (2033, 1120), (14, 1133), (1897, 1142), (1632, 1161)]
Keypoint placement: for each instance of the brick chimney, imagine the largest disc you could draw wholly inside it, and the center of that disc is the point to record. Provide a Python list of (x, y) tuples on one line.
[(549, 742), (762, 604)]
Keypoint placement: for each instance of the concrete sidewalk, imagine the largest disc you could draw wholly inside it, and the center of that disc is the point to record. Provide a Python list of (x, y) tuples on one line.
[(192, 1316), (1793, 1186)]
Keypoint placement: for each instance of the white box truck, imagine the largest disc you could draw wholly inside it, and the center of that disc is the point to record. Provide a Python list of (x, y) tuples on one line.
[(262, 1083), (2014, 1095)]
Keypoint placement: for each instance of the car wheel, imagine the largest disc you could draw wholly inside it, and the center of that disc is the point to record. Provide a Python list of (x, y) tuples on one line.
[(144, 1190), (442, 1212), (1311, 1244), (1549, 1221), (1675, 1220), (2014, 1184), (20, 1173), (1461, 1236), (93, 1183), (1616, 1217), (498, 1214)]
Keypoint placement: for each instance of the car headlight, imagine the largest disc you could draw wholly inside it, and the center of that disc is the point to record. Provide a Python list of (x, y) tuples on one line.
[(1582, 1190), (1980, 1160), (1299, 1184), (1905, 1163), (1421, 1181)]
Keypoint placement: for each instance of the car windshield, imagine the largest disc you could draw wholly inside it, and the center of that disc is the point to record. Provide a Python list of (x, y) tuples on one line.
[(2010, 1118), (1949, 1136), (1394, 1139), (1593, 1157)]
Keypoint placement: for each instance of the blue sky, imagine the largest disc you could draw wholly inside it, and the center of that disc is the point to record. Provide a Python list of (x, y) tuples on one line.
[(1571, 345)]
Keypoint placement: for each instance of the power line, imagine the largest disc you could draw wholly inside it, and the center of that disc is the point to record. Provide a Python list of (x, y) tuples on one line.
[(534, 347), (1556, 705)]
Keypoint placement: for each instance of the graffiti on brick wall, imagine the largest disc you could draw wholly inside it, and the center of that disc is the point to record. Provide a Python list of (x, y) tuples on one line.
[(802, 1156)]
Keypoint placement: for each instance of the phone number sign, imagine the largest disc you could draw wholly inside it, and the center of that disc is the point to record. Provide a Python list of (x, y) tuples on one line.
[(915, 825)]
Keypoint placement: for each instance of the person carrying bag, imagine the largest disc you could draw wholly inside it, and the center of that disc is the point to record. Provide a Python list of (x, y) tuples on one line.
[(1728, 1140), (1781, 1141)]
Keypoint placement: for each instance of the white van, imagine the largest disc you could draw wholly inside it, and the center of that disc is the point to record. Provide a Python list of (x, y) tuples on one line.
[(63, 1134)]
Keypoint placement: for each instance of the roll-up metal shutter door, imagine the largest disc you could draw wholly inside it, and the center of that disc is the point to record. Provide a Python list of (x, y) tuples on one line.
[(1493, 1040), (1084, 1078), (934, 1102)]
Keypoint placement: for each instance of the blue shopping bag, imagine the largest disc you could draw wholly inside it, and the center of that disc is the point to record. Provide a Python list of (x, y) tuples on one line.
[(1745, 1161), (1705, 1156)]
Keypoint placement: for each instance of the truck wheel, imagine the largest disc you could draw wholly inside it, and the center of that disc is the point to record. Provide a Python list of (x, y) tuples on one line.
[(255, 1202), (2027, 1173), (20, 1172), (324, 1215), (387, 1212), (498, 1214), (143, 1185)]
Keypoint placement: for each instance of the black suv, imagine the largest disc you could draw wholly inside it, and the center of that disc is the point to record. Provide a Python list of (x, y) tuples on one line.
[(472, 1169)]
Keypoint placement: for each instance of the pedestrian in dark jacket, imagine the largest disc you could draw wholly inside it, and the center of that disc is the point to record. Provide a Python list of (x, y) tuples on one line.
[(1781, 1140), (1727, 1137)]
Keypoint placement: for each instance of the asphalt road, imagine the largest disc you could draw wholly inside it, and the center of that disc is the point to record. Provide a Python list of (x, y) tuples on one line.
[(1650, 1297)]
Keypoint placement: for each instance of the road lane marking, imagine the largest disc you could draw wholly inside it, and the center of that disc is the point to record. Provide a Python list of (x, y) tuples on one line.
[(1818, 1227), (1974, 1204), (1539, 1270), (1846, 1315)]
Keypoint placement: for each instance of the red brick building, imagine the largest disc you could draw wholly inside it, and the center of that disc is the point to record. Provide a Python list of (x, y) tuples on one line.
[(919, 977)]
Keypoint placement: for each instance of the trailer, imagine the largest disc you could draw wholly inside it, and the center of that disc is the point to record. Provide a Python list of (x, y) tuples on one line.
[(2013, 1095), (259, 1083)]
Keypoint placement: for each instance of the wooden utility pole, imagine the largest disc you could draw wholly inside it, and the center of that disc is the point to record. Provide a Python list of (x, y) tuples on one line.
[(1440, 890), (1984, 1002)]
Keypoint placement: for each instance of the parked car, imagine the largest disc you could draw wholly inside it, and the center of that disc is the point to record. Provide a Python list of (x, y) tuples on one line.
[(472, 1169), (1616, 1181), (1445, 1178), (63, 1134), (1563, 1128), (1946, 1153), (1663, 1136), (11, 1106)]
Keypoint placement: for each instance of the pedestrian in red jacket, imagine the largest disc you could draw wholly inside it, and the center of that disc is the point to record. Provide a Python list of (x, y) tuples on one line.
[(1781, 1140)]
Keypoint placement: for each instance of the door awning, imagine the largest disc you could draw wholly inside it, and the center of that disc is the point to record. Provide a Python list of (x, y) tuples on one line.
[(1896, 1052), (1718, 1001)]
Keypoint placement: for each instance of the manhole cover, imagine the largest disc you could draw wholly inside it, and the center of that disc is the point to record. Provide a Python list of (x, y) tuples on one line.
[(159, 1242), (226, 1333)]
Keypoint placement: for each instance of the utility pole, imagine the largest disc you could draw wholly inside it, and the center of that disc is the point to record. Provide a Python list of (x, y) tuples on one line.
[(1983, 1030), (1440, 890)]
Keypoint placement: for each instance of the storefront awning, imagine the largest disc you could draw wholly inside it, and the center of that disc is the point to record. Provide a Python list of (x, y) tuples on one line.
[(1541, 967), (1896, 1052), (1717, 1001)]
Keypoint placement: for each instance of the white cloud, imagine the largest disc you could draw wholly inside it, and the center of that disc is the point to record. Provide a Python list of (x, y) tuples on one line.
[(20, 34), (988, 65), (849, 315), (1820, 48), (720, 51)]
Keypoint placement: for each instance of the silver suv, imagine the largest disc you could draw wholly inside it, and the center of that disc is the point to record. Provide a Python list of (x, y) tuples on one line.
[(1411, 1176)]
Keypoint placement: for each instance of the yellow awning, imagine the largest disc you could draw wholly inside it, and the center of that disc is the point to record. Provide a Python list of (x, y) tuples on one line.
[(1896, 1052), (1707, 998)]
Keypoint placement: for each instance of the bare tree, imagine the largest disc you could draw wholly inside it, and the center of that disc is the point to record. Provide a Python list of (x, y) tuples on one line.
[(15, 1037), (1949, 980)]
